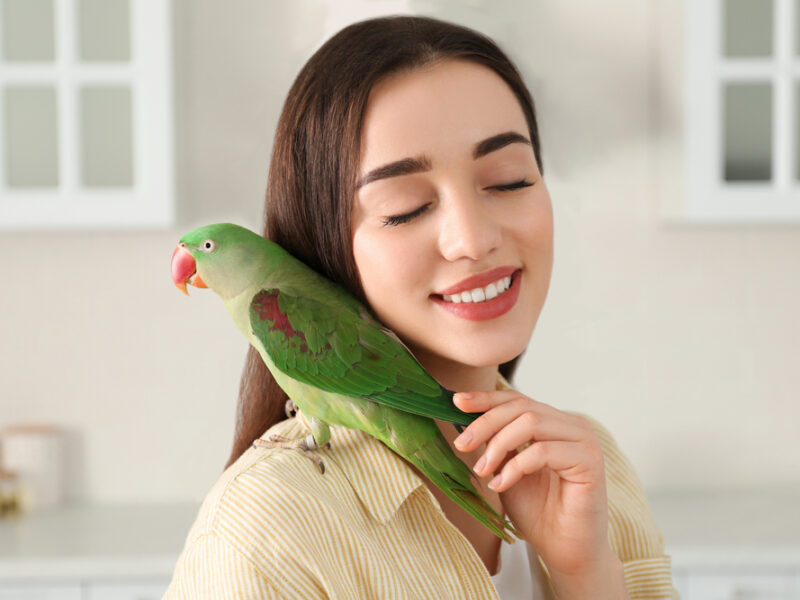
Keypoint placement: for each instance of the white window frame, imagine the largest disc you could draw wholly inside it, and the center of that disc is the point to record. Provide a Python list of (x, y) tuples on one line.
[(150, 202), (708, 198)]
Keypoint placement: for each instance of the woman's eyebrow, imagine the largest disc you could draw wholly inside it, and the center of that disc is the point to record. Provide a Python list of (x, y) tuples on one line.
[(407, 166), (498, 141)]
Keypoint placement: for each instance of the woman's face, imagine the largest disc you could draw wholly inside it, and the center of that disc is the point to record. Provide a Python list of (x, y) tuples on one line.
[(445, 208)]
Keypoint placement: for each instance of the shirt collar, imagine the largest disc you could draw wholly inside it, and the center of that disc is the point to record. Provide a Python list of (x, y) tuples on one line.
[(380, 478)]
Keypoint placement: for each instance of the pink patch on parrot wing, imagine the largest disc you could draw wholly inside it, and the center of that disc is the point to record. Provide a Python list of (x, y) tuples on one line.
[(265, 304)]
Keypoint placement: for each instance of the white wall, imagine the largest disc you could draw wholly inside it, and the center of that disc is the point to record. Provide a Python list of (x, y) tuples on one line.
[(682, 340)]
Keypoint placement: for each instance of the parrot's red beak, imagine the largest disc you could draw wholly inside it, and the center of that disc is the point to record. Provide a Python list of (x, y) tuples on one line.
[(184, 270)]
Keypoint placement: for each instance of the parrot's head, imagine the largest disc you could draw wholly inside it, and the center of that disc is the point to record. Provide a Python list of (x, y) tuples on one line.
[(225, 258)]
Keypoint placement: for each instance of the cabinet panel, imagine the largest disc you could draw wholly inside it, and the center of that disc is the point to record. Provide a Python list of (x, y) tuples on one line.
[(153, 590), (681, 581), (742, 586), (40, 592)]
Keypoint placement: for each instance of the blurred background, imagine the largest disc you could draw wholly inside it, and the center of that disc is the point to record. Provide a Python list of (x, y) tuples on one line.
[(670, 150)]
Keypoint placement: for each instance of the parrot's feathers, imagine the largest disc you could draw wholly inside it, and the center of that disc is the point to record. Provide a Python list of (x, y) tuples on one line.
[(347, 352), (291, 359), (454, 478), (338, 351)]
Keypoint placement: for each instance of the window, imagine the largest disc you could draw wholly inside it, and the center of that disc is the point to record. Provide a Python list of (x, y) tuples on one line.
[(742, 102), (85, 114)]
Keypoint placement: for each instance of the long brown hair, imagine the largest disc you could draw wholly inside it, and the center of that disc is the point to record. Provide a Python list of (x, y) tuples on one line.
[(315, 159)]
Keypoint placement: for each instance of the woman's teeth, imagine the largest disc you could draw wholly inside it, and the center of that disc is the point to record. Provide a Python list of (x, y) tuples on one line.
[(481, 294)]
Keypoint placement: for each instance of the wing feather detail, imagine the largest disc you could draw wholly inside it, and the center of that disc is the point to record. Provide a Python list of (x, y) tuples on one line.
[(340, 348)]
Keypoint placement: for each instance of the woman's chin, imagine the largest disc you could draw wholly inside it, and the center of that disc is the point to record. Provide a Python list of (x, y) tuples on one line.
[(467, 358)]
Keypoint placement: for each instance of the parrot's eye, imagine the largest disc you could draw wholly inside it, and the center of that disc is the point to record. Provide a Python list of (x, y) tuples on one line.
[(208, 245)]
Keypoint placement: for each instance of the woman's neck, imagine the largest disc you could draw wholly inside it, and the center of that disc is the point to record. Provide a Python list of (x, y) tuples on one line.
[(459, 377)]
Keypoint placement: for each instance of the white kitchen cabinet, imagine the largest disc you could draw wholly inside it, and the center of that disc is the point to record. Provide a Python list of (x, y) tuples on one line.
[(84, 552), (700, 584), (125, 591), (743, 586), (40, 592), (86, 116), (130, 590), (681, 581), (731, 544)]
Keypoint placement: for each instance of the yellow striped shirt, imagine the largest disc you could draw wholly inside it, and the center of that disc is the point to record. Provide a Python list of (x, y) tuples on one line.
[(273, 527)]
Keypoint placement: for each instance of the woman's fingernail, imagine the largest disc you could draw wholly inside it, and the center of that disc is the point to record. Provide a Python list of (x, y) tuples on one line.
[(463, 396), (480, 464), (495, 483), (464, 439)]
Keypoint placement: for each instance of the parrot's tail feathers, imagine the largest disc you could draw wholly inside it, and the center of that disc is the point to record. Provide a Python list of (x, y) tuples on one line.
[(475, 505), (450, 393), (454, 478)]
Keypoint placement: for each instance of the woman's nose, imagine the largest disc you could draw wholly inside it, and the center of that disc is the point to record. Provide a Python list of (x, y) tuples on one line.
[(468, 229)]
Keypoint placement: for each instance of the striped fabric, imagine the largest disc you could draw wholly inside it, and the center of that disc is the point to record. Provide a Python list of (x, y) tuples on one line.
[(273, 527)]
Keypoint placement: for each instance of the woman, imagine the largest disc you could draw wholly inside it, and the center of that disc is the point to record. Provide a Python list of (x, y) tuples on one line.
[(407, 167)]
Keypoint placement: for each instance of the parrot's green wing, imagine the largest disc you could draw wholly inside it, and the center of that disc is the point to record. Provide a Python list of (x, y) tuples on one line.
[(339, 347)]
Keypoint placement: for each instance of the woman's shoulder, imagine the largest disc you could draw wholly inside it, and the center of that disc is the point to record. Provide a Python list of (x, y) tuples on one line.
[(260, 493), (245, 525)]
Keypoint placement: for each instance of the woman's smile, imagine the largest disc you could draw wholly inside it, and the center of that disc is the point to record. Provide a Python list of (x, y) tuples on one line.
[(480, 302)]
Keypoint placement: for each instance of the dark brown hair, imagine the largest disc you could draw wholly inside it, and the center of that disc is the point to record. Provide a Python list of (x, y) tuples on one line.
[(315, 160)]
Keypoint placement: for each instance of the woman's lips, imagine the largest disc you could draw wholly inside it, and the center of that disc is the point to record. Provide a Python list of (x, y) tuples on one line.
[(479, 281), (488, 309)]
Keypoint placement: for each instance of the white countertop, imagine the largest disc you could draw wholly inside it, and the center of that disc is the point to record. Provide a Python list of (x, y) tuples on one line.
[(737, 529), (94, 542), (703, 530)]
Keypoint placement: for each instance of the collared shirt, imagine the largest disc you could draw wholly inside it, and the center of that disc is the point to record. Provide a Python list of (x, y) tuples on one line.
[(273, 526)]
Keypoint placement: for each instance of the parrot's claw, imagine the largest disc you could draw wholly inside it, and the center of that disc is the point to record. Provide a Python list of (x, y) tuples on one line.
[(303, 445), (291, 408)]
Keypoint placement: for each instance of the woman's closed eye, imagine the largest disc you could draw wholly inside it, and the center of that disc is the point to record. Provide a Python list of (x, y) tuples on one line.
[(400, 219), (507, 187), (405, 218)]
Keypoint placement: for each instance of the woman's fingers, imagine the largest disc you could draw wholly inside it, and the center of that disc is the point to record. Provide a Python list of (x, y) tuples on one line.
[(577, 462), (561, 441), (483, 401), (541, 421), (523, 428)]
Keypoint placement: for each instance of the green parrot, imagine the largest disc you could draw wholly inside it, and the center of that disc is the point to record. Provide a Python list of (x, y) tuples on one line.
[(332, 357)]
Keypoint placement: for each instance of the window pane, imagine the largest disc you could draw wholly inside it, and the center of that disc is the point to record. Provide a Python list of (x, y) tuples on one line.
[(106, 136), (797, 27), (747, 29), (797, 128), (28, 30), (748, 131), (104, 30), (31, 144)]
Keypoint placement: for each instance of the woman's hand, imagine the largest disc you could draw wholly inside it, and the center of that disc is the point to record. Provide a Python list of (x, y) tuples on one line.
[(554, 491)]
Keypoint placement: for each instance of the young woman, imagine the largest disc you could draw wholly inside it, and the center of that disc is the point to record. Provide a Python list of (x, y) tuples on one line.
[(407, 167)]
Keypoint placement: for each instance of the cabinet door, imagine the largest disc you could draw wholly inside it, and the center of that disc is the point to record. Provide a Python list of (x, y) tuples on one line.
[(743, 586), (40, 592), (86, 114), (680, 580), (148, 590)]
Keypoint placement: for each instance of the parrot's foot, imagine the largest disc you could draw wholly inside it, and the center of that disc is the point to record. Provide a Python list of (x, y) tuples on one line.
[(291, 408), (303, 445)]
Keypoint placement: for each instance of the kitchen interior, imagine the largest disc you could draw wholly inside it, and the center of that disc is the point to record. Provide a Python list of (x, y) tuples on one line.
[(671, 150)]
